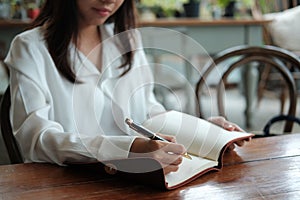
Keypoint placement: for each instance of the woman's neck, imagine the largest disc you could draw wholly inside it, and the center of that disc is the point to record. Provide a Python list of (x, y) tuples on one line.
[(88, 38), (89, 43)]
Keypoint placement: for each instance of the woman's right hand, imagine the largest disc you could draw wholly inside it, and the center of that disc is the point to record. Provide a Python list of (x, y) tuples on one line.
[(167, 153)]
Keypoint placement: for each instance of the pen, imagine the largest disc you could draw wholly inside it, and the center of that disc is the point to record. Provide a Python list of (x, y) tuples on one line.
[(149, 134)]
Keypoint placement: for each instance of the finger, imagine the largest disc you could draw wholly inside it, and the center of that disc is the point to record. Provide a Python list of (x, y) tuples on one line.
[(222, 122), (237, 128), (240, 143), (229, 127), (174, 148), (170, 159), (170, 168), (232, 127), (178, 161), (217, 120), (170, 138), (231, 147)]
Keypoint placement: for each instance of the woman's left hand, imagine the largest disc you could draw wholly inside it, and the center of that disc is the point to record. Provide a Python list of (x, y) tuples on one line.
[(222, 122)]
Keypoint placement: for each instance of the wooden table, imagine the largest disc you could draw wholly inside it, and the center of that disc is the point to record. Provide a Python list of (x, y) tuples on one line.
[(265, 168)]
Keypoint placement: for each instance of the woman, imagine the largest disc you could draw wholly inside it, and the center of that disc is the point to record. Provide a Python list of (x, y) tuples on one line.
[(74, 77)]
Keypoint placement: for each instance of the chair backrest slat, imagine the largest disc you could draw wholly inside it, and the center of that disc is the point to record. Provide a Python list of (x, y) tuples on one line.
[(6, 130)]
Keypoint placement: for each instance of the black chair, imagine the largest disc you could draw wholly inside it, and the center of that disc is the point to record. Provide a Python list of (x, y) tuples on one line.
[(245, 56), (276, 119), (6, 130)]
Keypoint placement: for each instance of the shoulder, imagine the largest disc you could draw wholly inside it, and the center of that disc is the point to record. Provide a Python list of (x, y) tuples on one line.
[(27, 52), (31, 36), (28, 41)]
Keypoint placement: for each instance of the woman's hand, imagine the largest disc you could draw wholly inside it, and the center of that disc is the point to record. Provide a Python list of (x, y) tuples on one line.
[(222, 122), (167, 153)]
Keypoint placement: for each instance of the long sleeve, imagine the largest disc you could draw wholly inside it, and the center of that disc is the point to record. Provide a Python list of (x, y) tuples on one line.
[(44, 140), (43, 113)]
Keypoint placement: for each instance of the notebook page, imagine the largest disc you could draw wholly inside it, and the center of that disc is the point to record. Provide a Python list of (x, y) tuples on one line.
[(188, 169)]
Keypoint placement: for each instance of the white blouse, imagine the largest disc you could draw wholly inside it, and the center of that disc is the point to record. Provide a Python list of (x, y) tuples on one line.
[(57, 121)]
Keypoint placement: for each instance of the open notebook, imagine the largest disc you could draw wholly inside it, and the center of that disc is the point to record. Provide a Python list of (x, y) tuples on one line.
[(204, 141)]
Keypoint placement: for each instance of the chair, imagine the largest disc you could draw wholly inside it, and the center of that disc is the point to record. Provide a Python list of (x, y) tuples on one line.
[(3, 69), (6, 130), (283, 31), (2, 50), (250, 56), (276, 119)]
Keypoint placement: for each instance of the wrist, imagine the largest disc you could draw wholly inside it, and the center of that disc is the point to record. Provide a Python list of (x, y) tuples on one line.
[(138, 146)]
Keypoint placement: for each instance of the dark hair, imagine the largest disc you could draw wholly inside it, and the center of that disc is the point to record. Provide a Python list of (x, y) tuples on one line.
[(59, 18)]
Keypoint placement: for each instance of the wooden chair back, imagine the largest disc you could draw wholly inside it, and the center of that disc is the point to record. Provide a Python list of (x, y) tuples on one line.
[(244, 56)]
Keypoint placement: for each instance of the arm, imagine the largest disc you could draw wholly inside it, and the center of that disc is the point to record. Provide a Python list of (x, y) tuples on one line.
[(44, 140)]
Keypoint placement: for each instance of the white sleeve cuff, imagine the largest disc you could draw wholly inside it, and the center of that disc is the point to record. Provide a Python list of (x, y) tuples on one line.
[(115, 147)]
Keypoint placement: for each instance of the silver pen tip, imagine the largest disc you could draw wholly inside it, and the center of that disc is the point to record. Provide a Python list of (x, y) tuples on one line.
[(128, 121)]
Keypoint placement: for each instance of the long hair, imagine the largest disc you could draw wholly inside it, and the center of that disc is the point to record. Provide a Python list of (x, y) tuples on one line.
[(60, 19)]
